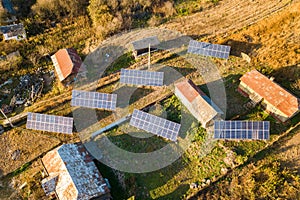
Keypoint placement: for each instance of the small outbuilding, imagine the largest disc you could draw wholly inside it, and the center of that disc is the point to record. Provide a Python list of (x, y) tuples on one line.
[(281, 104), (198, 103), (141, 47), (13, 31), (72, 174), (67, 64)]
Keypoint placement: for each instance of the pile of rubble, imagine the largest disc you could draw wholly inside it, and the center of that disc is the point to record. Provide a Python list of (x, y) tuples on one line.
[(29, 88)]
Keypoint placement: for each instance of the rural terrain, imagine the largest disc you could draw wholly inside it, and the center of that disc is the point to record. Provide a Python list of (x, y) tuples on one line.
[(267, 31)]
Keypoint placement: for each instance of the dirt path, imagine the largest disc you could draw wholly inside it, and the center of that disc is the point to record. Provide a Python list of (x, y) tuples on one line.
[(289, 153)]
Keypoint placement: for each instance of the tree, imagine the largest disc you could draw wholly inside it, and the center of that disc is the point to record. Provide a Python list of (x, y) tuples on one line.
[(56, 9), (103, 19), (3, 15)]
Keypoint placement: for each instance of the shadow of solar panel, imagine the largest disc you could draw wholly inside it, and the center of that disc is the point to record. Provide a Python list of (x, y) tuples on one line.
[(207, 49), (94, 100), (142, 77), (155, 125), (49, 123), (247, 130)]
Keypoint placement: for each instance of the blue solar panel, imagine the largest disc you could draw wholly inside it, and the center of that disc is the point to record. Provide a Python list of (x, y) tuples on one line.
[(156, 125), (49, 123), (142, 77), (94, 100), (248, 130), (207, 49)]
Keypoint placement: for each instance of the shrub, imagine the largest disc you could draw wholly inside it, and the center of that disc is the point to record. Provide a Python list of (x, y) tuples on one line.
[(56, 9)]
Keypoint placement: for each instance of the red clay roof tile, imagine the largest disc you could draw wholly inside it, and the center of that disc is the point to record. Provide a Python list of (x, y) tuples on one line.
[(68, 62), (271, 92)]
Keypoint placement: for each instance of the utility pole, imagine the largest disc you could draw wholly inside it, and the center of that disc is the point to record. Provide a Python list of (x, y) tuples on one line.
[(149, 54)]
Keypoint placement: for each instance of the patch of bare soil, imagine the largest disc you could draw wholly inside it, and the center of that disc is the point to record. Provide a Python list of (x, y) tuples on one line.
[(227, 16), (289, 153), (267, 31), (274, 44), (21, 146), (277, 39)]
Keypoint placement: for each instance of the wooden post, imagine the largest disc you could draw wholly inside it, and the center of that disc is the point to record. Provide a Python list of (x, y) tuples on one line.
[(6, 118), (149, 57)]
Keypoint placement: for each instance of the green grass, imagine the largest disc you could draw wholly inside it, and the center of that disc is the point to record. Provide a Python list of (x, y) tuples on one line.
[(117, 191), (123, 61), (171, 182), (188, 7), (23, 168)]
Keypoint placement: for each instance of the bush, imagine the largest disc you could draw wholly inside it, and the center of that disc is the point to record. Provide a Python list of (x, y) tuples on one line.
[(103, 18), (56, 9), (3, 15)]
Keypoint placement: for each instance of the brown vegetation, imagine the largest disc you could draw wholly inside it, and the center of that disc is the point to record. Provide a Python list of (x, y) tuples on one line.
[(29, 143), (56, 9), (273, 42)]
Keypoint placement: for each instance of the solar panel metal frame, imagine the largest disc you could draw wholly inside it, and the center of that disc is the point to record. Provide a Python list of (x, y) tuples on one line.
[(208, 49), (142, 77), (49, 123), (242, 130), (94, 100), (155, 125)]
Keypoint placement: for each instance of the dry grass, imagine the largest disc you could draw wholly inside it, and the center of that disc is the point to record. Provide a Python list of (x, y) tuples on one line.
[(275, 34), (30, 144), (274, 175)]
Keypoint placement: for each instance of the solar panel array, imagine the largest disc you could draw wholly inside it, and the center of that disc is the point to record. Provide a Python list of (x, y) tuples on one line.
[(142, 77), (49, 123), (247, 130), (156, 125), (207, 49), (94, 100)]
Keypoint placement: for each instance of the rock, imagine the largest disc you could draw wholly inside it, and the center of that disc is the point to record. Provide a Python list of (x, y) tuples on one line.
[(194, 185), (16, 154), (208, 181), (224, 170), (246, 57)]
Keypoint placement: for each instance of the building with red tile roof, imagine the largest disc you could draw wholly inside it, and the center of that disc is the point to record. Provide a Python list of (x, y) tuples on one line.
[(72, 174), (197, 102), (277, 101), (66, 62)]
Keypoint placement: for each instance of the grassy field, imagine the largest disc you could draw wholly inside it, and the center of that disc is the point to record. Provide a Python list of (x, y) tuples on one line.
[(232, 170)]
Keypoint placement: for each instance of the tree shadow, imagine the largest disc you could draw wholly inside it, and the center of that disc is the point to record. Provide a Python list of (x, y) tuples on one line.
[(185, 71), (238, 46), (140, 185), (198, 37), (182, 189), (141, 145), (23, 8), (288, 77), (128, 95), (273, 149), (170, 77), (150, 181), (89, 115), (233, 104), (293, 165), (175, 43)]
